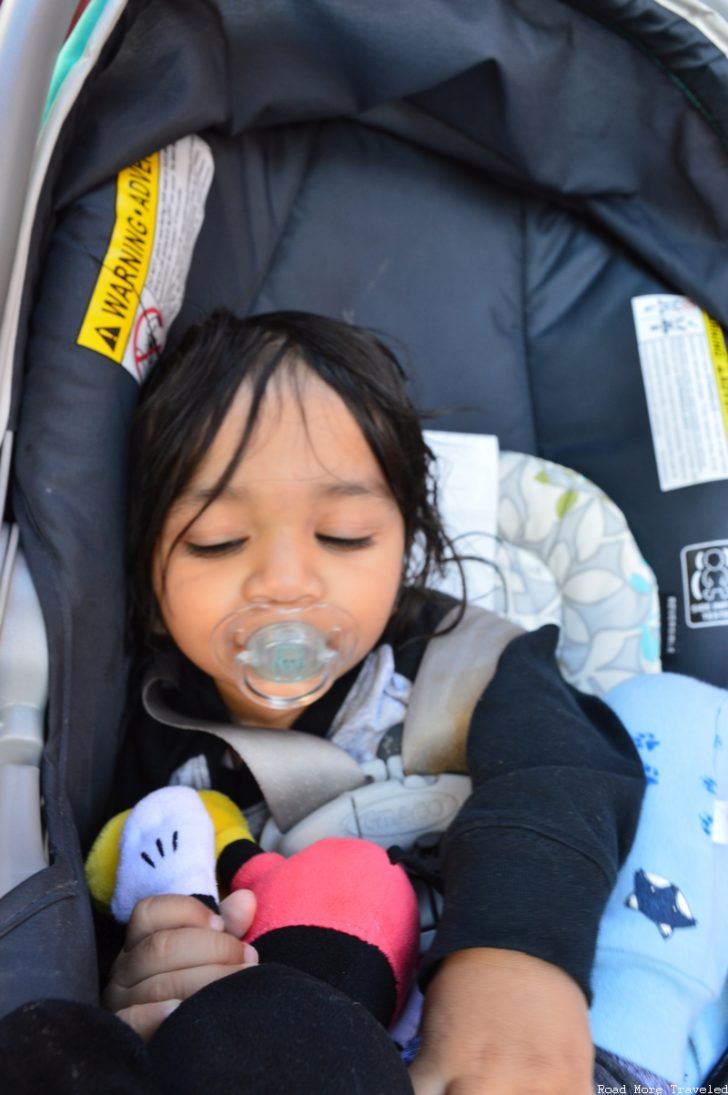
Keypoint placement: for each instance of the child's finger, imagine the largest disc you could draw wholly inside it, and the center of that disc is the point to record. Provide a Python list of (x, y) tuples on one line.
[(426, 1078), (167, 911), (146, 1018), (178, 949), (175, 985), (238, 912)]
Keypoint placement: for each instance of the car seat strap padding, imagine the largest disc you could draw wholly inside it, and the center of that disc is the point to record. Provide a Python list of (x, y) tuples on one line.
[(297, 772), (455, 671)]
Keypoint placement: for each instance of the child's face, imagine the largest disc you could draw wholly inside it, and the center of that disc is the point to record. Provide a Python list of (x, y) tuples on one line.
[(306, 517)]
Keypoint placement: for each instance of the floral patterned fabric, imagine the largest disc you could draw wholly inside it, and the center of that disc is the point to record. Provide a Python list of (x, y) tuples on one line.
[(566, 555)]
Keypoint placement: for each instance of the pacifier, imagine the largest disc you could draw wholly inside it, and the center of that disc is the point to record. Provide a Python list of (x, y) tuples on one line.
[(284, 656)]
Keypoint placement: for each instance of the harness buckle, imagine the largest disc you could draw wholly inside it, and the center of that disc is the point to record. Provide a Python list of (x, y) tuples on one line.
[(391, 808)]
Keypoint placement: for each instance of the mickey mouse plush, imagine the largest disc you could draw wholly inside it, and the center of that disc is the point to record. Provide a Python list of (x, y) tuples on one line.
[(339, 909)]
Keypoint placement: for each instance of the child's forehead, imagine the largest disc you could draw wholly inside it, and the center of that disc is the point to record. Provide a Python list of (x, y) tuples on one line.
[(301, 427), (295, 400)]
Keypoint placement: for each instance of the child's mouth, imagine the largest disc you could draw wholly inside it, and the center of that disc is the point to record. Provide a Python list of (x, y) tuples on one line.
[(284, 656)]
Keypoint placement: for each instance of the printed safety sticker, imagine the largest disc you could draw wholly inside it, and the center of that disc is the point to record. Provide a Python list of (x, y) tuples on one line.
[(705, 583), (160, 205), (685, 371)]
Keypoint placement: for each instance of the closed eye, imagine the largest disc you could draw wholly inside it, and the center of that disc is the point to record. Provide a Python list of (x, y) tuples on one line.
[(211, 551), (345, 543)]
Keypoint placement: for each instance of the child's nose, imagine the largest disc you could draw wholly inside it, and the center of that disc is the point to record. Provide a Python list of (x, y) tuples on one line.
[(284, 572)]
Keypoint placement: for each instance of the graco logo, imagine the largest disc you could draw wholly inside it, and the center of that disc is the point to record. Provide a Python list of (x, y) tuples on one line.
[(705, 583), (408, 814)]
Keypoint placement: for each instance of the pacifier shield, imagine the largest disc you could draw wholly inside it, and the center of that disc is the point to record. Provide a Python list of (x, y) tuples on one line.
[(284, 656)]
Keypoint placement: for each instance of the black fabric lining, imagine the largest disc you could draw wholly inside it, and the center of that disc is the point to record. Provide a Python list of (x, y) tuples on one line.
[(270, 265), (525, 331), (626, 20)]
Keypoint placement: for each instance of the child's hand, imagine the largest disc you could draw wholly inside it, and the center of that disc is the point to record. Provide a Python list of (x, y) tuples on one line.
[(499, 1022), (174, 946)]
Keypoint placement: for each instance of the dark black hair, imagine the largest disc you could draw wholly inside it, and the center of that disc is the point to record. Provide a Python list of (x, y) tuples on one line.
[(189, 392)]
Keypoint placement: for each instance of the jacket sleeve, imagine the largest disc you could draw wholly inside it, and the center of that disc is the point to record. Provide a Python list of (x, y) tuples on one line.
[(531, 858)]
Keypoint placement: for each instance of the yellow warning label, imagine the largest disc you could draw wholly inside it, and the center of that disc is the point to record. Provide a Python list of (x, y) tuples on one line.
[(110, 315), (719, 357)]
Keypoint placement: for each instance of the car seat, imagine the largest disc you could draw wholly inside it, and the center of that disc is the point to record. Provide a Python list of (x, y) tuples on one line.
[(527, 197)]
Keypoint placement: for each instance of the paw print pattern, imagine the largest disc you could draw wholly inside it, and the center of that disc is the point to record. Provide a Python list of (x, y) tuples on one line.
[(646, 741), (706, 822), (652, 775), (710, 784)]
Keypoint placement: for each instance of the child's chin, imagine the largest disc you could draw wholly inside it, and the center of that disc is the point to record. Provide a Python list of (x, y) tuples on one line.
[(283, 702), (249, 712)]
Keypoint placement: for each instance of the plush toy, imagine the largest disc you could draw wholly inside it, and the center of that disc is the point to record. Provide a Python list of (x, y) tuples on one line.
[(339, 909)]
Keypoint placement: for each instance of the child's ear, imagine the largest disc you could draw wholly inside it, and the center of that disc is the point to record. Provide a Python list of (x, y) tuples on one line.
[(157, 626), (412, 563)]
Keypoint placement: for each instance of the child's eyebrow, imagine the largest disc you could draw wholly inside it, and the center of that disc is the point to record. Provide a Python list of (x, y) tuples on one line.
[(341, 488), (346, 489)]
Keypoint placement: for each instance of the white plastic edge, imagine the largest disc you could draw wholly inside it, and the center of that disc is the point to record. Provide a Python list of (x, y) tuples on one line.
[(6, 452), (23, 665), (709, 20), (22, 845), (8, 550), (67, 95), (23, 697)]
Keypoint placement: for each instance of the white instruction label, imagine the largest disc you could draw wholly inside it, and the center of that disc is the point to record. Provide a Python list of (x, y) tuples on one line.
[(685, 371), (160, 206), (467, 475)]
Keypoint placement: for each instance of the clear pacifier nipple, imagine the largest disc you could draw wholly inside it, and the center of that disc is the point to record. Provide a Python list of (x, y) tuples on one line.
[(284, 657), (286, 653)]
